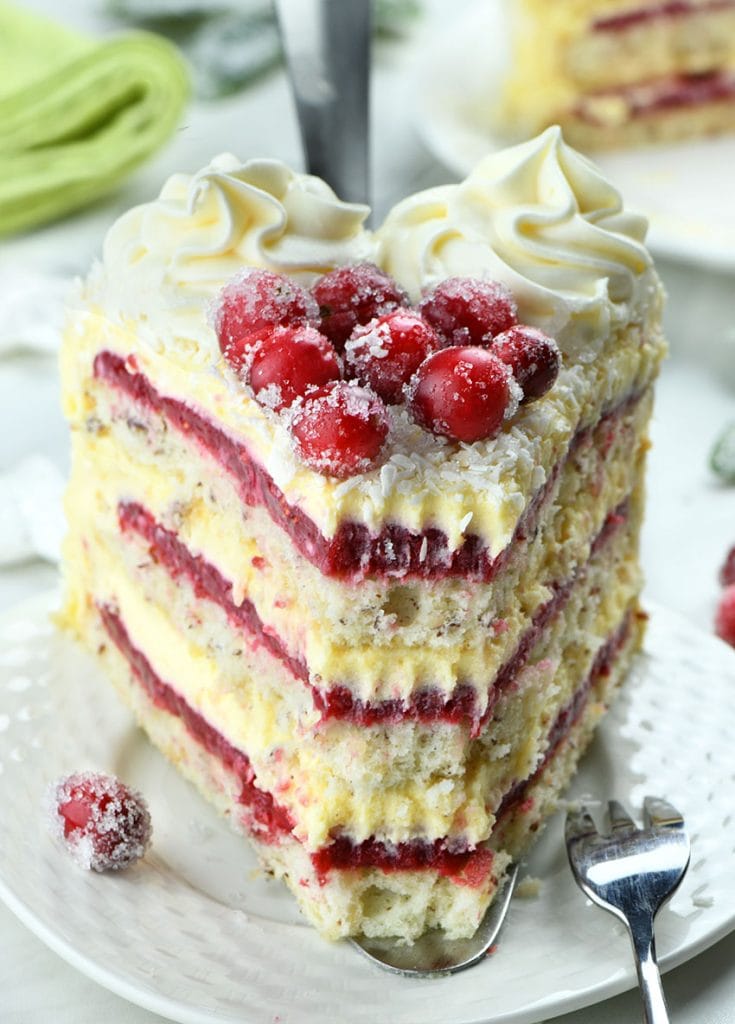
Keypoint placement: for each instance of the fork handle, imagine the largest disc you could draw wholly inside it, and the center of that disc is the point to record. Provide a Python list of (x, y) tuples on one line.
[(327, 45), (649, 976)]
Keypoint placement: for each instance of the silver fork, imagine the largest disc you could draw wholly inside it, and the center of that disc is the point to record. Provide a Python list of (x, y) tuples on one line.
[(632, 872)]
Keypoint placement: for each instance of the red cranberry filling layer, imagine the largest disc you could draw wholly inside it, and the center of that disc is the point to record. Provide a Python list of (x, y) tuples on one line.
[(653, 12), (268, 817), (338, 702), (464, 866), (570, 715), (353, 552), (269, 820), (667, 94)]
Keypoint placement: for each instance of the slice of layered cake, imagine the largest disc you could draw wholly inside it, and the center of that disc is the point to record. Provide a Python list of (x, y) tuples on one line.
[(621, 72), (354, 517)]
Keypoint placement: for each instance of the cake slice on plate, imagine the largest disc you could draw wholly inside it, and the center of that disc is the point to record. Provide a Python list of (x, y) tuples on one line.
[(354, 517), (621, 72)]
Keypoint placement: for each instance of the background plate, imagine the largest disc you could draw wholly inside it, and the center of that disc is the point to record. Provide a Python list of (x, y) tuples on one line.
[(193, 933), (685, 190)]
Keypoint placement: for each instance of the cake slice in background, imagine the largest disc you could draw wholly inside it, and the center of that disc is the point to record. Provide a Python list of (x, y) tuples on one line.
[(617, 73), (377, 635)]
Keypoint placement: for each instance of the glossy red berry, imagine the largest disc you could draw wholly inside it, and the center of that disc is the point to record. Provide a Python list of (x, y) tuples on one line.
[(353, 295), (462, 393), (104, 824), (725, 617), (252, 304), (386, 353), (469, 311), (533, 357), (288, 363), (340, 429), (727, 572)]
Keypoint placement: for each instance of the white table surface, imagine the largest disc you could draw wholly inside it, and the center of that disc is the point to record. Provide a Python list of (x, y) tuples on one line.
[(691, 519)]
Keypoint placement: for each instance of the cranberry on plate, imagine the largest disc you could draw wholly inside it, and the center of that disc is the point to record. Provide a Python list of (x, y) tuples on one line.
[(103, 823)]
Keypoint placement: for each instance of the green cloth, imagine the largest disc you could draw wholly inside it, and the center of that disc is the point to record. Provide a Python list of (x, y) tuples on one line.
[(76, 115)]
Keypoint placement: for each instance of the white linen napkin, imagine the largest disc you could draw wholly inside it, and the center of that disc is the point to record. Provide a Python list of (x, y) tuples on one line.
[(31, 310), (31, 513)]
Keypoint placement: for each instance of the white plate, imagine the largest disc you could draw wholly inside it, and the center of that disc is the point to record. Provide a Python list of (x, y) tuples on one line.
[(684, 189), (192, 933)]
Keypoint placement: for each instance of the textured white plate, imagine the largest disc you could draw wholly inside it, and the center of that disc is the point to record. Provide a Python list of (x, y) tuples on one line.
[(194, 934), (685, 189)]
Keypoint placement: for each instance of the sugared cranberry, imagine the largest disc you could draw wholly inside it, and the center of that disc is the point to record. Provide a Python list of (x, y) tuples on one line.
[(727, 572), (288, 363), (462, 393), (386, 353), (252, 304), (354, 295), (533, 358), (725, 617), (104, 824), (469, 311), (340, 429)]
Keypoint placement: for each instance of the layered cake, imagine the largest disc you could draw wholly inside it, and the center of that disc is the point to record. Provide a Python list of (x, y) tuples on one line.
[(354, 516), (621, 72)]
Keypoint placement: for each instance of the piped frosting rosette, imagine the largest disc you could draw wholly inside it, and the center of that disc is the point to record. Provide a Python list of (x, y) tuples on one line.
[(543, 220)]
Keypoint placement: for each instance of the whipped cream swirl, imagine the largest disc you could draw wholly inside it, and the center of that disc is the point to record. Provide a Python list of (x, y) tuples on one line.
[(542, 219), (164, 261)]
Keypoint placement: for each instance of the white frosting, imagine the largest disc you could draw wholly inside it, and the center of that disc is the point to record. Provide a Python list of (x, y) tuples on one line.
[(542, 219), (164, 261), (538, 217)]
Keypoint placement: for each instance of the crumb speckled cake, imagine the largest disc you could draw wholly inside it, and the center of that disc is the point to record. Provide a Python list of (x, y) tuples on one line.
[(354, 516), (621, 72)]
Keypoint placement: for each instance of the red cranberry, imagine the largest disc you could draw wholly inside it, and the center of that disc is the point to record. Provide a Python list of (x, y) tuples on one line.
[(727, 572), (288, 363), (340, 429), (469, 311), (252, 304), (462, 393), (725, 617), (104, 824), (533, 358), (386, 353), (354, 295)]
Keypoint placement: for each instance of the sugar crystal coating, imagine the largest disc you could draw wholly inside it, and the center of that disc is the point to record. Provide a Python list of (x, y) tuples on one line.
[(386, 353), (289, 362), (462, 393), (103, 823), (252, 304), (468, 310), (353, 295), (533, 357), (340, 429)]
